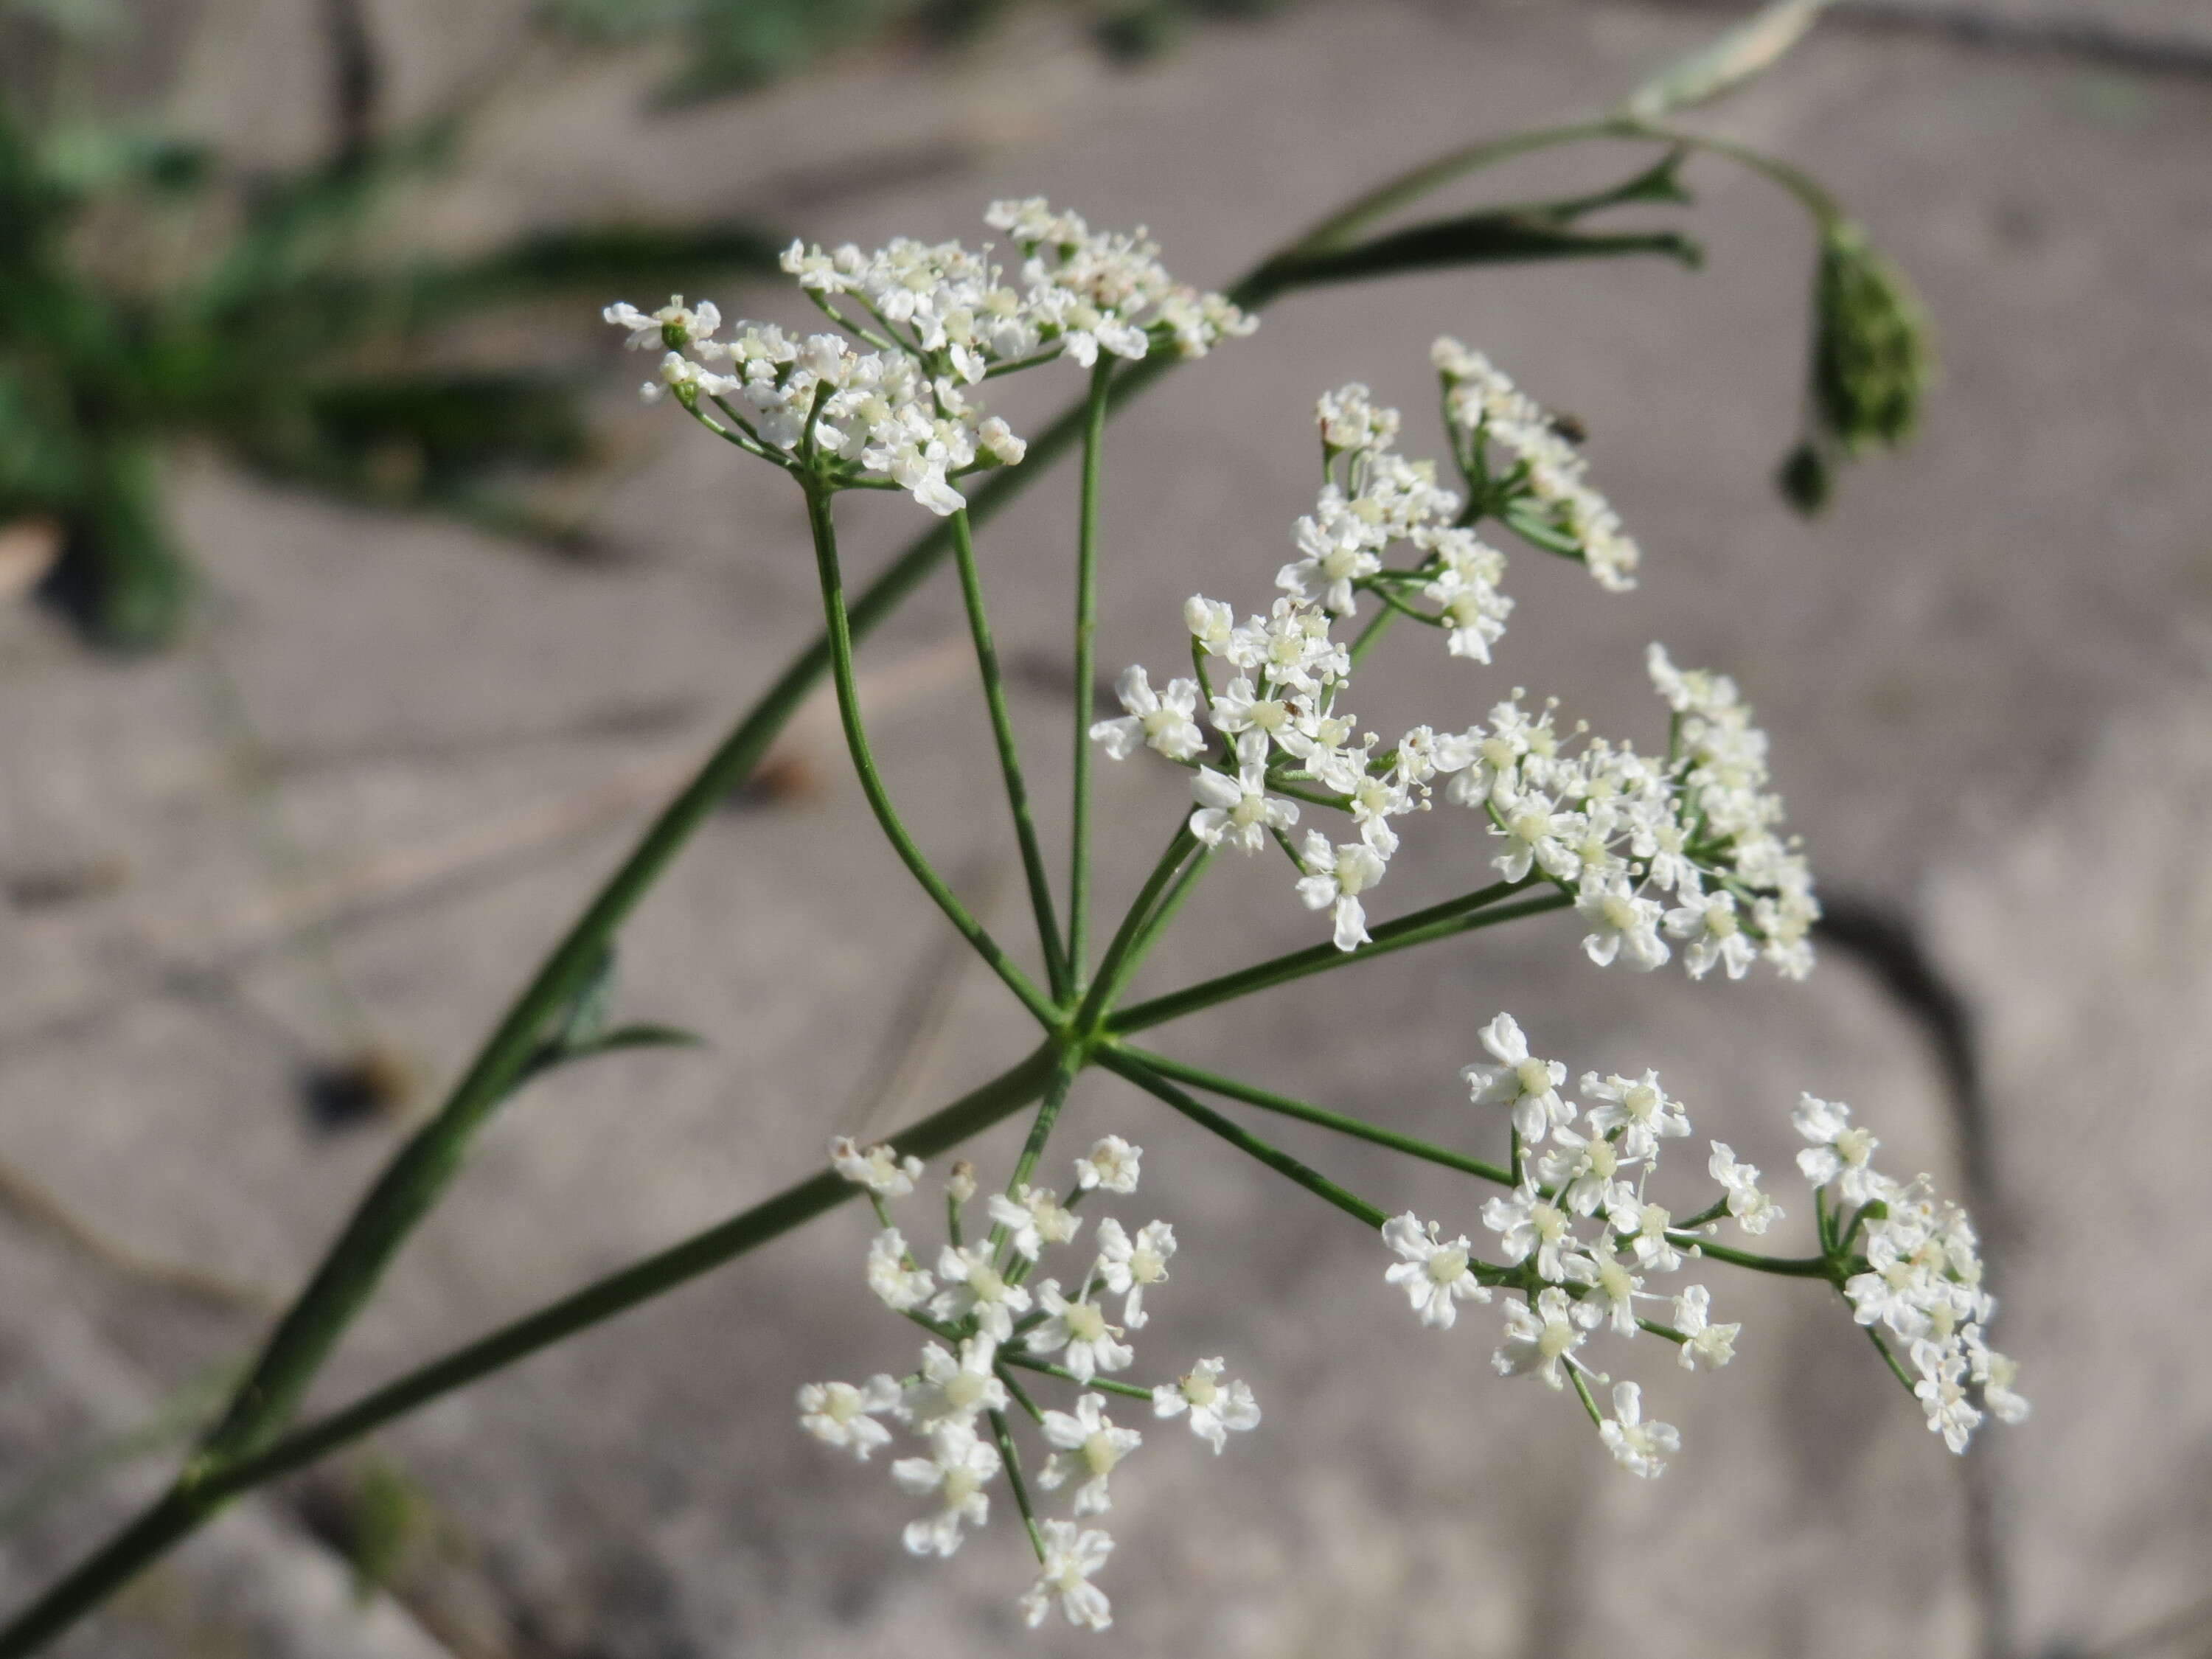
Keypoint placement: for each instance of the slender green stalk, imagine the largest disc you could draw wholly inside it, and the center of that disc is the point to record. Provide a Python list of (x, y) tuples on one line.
[(1124, 1064), (1095, 1000), (1055, 1096), (1086, 627), (1457, 915), (1156, 924), (1790, 1266), (1105, 1384), (208, 1483), (1890, 1360), (872, 782), (1013, 1465), (1332, 234), (1375, 630), (1010, 765), (1358, 1128)]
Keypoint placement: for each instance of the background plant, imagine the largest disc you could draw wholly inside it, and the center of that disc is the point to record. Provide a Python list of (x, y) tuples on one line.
[(153, 292)]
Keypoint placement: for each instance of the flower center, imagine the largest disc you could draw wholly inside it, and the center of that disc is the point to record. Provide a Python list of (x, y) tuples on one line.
[(983, 1279), (964, 1390), (1099, 1453), (1203, 1390), (1147, 1266), (1446, 1267), (959, 1487), (1535, 1077), (1084, 1322)]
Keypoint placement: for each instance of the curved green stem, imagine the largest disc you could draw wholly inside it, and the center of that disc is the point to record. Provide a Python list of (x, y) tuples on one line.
[(1009, 763), (1357, 1128), (864, 763), (1086, 628), (1457, 915)]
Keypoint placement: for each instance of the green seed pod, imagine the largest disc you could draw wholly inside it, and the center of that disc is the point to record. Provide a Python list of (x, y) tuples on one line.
[(1871, 360)]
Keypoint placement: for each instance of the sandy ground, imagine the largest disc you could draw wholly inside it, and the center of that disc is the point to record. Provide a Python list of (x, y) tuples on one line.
[(1984, 673)]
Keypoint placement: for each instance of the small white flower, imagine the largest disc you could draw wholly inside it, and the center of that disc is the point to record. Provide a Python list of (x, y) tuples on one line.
[(1127, 1264), (1034, 1217), (1710, 1346), (1111, 1165), (1943, 1393), (878, 1169), (1540, 1341), (1640, 1447), (1621, 923), (1637, 1109), (1710, 923), (1080, 1327), (1643, 1228), (839, 1414), (1840, 1149), (1088, 1446), (948, 1387), (1165, 720), (1527, 1224), (1754, 1211), (1437, 1276), (1337, 876), (1216, 1408), (1611, 1292), (1239, 810), (959, 1463), (1070, 1558), (892, 1275), (1211, 623), (973, 1285), (1530, 1086)]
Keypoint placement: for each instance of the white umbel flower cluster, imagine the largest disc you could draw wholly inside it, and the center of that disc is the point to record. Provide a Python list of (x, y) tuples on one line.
[(1685, 847), (1578, 1236), (987, 1319), (1923, 1274), (1536, 483), (886, 400), (1581, 1248)]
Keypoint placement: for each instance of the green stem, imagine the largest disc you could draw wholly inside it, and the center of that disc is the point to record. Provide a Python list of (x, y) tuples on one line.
[(1086, 626), (1120, 969), (872, 783), (207, 1483), (1010, 765), (1055, 1096), (1124, 1064), (1013, 1462), (1340, 228), (1104, 1384), (1798, 1267), (1358, 1128), (1134, 926), (1890, 1360), (1457, 915), (1374, 630), (1811, 195)]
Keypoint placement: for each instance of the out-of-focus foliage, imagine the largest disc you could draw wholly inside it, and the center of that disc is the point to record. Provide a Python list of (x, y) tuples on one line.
[(732, 46), (151, 292)]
